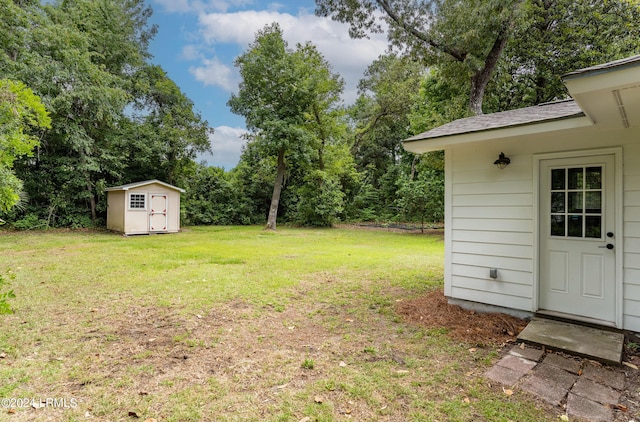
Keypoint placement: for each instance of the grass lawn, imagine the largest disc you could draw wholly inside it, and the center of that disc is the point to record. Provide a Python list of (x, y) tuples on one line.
[(235, 324)]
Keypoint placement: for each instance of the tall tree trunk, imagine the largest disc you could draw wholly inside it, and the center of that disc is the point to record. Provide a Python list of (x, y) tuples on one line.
[(413, 167), (322, 135), (277, 188), (481, 78), (92, 203), (89, 186)]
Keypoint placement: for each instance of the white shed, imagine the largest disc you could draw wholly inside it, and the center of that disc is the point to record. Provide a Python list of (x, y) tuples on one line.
[(145, 207), (557, 230)]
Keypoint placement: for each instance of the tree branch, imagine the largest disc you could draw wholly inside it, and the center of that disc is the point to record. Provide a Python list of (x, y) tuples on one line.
[(458, 55)]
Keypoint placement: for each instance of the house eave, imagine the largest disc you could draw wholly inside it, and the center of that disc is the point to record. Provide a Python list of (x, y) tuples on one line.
[(421, 145), (628, 63)]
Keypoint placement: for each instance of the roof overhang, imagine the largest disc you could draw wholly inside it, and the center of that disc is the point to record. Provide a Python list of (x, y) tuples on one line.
[(609, 93), (606, 95), (545, 118), (420, 146)]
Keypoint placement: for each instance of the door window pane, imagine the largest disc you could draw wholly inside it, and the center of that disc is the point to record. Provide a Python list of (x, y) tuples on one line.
[(557, 179), (575, 202), (557, 225), (575, 178), (593, 177), (593, 226), (574, 226), (557, 202), (593, 202)]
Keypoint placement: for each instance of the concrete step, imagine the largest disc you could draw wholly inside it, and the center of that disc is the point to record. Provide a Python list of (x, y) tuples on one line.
[(593, 343)]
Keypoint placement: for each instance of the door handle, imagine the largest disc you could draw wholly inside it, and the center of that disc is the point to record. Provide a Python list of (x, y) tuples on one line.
[(608, 246)]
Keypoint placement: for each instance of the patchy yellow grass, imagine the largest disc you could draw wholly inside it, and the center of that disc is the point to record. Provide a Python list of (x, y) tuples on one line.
[(235, 324)]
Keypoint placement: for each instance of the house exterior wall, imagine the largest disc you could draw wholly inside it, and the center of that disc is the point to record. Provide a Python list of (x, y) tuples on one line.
[(631, 211), (492, 217)]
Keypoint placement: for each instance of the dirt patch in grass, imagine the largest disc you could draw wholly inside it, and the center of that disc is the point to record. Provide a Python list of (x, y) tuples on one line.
[(336, 358), (433, 311)]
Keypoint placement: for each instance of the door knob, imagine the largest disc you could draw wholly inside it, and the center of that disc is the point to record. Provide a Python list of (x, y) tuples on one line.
[(608, 246), (609, 234)]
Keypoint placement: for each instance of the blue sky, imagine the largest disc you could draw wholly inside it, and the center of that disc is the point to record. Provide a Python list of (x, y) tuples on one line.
[(198, 40)]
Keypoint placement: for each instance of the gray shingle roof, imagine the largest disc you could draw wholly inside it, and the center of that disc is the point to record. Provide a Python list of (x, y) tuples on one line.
[(511, 118), (605, 67)]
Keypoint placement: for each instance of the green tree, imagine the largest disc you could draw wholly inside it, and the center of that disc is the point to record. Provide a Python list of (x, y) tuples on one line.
[(169, 133), (285, 96), (465, 37), (115, 117), (68, 57), (320, 200), (513, 50), (381, 118), (422, 197), (21, 111), (253, 180), (554, 37), (438, 101), (212, 198)]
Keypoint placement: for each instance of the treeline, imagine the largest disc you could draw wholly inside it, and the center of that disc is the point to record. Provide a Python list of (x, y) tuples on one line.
[(117, 118)]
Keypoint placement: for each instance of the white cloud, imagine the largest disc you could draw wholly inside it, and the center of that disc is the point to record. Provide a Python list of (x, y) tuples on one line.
[(240, 27), (226, 143), (215, 73), (191, 52)]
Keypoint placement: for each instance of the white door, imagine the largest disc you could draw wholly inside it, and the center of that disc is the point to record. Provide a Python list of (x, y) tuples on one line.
[(158, 213), (577, 238)]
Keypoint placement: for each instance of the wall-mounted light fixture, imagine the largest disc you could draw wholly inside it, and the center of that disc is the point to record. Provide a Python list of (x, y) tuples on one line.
[(502, 161)]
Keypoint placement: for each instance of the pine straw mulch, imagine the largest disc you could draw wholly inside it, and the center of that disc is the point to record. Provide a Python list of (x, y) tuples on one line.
[(433, 311)]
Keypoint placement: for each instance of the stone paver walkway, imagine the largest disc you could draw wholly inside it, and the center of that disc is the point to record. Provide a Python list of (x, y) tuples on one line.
[(590, 392)]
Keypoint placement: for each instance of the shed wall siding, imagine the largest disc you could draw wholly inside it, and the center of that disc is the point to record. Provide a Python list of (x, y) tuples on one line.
[(115, 211), (137, 221), (493, 217)]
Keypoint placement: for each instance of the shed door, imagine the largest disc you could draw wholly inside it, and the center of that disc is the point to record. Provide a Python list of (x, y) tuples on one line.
[(158, 213), (577, 239)]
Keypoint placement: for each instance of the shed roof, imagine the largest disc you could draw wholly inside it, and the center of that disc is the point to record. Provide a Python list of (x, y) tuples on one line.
[(512, 118), (143, 183)]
